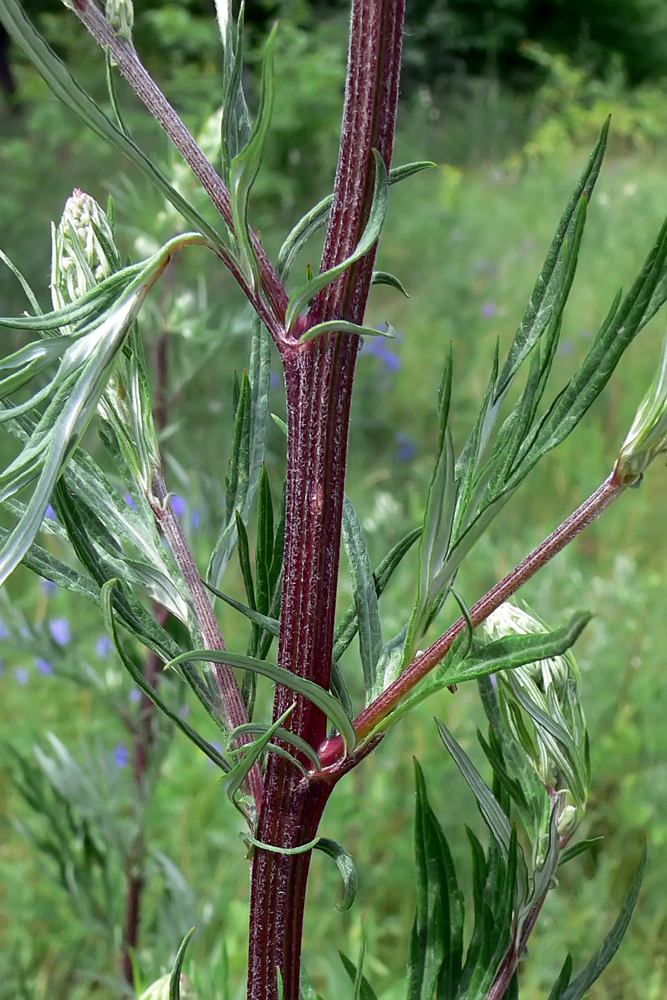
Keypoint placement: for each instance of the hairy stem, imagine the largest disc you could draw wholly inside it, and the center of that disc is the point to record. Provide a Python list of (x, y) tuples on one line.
[(209, 626), (318, 378), (331, 752)]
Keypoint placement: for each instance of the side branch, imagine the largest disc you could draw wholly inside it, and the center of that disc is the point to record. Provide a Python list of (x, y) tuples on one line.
[(332, 751), (150, 94)]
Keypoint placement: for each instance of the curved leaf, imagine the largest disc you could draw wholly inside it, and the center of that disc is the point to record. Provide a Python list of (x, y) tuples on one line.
[(346, 867)]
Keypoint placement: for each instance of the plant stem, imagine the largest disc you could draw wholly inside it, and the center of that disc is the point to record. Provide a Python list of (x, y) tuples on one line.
[(332, 751), (209, 626), (318, 378)]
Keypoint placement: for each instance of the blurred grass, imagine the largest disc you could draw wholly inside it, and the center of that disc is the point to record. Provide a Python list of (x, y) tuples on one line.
[(467, 240)]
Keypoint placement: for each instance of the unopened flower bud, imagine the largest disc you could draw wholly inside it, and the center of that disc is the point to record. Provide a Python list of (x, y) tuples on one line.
[(159, 990), (647, 437), (120, 15), (83, 252), (558, 753)]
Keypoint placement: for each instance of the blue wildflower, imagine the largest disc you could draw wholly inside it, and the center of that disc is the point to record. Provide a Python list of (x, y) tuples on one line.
[(60, 630), (178, 503), (48, 586), (489, 310), (407, 449), (276, 380), (379, 347), (135, 695), (22, 675), (103, 646), (44, 666), (129, 501), (4, 634), (50, 512), (196, 518), (121, 755)]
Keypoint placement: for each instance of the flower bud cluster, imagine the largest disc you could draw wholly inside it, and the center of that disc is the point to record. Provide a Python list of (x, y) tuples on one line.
[(83, 250), (647, 438), (541, 706)]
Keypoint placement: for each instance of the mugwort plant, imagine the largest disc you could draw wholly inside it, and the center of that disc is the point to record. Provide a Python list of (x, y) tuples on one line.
[(86, 364)]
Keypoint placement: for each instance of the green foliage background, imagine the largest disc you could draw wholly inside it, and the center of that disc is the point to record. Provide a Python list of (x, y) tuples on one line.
[(467, 240)]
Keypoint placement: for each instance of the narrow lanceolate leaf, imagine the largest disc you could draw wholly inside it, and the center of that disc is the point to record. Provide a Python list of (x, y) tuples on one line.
[(249, 440), (137, 675), (175, 980), (362, 988), (236, 127), (494, 817), (300, 299), (438, 520), (514, 651), (371, 641), (385, 278), (317, 217), (603, 956), (343, 326), (101, 321), (436, 943), (245, 166), (65, 87), (233, 781), (348, 625), (346, 867), (325, 701)]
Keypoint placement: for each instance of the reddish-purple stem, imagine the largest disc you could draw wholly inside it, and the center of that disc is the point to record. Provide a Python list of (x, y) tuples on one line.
[(318, 377)]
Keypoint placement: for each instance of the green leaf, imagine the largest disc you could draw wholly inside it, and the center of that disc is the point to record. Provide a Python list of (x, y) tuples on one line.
[(343, 326), (139, 679), (563, 980), (384, 278), (235, 779), (371, 641), (494, 817), (65, 87), (236, 127), (610, 945), (438, 521), (362, 988), (318, 215), (175, 981), (308, 689), (577, 849), (348, 625), (283, 734), (244, 167), (370, 236), (271, 625), (436, 942), (513, 651), (346, 867)]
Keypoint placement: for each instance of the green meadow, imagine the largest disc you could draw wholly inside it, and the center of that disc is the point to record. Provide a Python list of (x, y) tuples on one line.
[(467, 239)]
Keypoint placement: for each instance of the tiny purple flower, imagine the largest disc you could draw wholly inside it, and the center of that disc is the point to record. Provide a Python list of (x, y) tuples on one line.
[(22, 675), (218, 748), (50, 512), (276, 380), (121, 755), (566, 348), (184, 712), (178, 503), (60, 630), (407, 449), (103, 646), (196, 518), (44, 666), (135, 695), (4, 634), (48, 586), (129, 501), (379, 348), (489, 310)]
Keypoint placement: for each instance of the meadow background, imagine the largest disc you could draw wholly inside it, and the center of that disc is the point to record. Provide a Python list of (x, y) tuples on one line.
[(510, 130)]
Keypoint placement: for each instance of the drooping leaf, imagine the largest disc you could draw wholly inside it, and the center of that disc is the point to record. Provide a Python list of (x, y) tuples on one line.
[(371, 641), (346, 867), (308, 689)]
